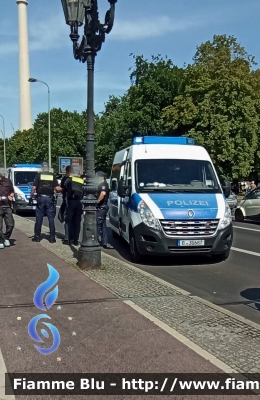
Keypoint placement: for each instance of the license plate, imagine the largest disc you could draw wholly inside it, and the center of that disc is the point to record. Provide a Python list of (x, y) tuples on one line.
[(191, 243)]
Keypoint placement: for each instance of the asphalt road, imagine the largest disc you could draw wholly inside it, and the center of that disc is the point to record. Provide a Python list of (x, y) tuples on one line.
[(233, 284)]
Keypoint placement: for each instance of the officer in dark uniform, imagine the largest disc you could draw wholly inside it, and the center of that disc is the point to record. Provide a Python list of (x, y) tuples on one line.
[(73, 191), (102, 207), (45, 184), (64, 205)]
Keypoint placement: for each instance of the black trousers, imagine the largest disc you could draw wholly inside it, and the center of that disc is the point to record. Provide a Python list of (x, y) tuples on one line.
[(73, 215), (6, 215), (102, 224), (45, 206)]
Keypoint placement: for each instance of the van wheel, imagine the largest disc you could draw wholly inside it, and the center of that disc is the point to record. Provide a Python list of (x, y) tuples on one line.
[(239, 217), (135, 256), (221, 257)]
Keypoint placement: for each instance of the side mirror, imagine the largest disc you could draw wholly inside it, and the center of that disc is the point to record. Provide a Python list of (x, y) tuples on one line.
[(226, 187), (123, 190), (114, 186)]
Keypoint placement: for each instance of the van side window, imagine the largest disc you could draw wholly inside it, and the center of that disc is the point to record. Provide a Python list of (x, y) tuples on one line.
[(115, 176), (129, 174)]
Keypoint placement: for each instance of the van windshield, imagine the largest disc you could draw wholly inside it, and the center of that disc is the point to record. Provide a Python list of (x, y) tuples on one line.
[(24, 178), (196, 176)]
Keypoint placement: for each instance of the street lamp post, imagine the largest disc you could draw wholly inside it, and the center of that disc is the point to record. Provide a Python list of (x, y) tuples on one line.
[(76, 11), (4, 140), (32, 80)]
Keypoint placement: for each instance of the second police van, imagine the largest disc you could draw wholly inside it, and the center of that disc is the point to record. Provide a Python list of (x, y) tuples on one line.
[(22, 177), (166, 199)]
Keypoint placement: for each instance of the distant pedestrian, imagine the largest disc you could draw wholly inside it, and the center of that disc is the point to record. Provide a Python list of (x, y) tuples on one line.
[(252, 186), (102, 208), (45, 184), (6, 214)]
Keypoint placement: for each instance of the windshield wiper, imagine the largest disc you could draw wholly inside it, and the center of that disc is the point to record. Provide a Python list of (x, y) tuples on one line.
[(161, 189)]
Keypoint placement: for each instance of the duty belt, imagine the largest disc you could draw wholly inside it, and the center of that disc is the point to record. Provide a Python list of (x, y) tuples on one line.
[(3, 200)]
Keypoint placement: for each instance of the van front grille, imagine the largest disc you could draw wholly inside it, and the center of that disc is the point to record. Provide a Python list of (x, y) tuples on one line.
[(190, 228)]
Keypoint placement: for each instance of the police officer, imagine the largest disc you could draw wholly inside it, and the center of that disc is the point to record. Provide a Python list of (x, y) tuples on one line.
[(6, 215), (64, 205), (45, 183), (102, 208), (73, 193)]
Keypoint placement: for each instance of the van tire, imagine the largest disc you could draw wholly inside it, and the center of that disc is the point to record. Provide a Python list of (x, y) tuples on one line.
[(135, 256), (221, 257), (239, 217)]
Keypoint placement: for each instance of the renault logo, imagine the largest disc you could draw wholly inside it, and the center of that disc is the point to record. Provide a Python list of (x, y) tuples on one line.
[(190, 213)]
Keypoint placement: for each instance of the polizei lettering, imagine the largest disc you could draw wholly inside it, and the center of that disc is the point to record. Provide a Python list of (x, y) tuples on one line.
[(187, 203)]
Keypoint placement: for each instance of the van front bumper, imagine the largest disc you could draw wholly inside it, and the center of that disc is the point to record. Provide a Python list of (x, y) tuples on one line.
[(21, 205), (154, 242)]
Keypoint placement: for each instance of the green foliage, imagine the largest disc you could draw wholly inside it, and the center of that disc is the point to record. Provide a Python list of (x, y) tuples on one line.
[(216, 100), (220, 105)]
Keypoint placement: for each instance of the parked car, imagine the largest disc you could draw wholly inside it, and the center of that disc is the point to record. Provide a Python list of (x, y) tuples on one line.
[(232, 200), (249, 207)]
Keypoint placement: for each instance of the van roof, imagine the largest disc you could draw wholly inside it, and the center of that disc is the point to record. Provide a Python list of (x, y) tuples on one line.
[(164, 151)]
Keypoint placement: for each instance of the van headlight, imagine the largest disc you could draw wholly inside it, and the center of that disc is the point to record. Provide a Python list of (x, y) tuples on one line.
[(19, 196), (147, 216), (224, 222)]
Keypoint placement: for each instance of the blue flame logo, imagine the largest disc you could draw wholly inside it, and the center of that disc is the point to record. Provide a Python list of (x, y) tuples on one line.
[(50, 299), (43, 289), (34, 335)]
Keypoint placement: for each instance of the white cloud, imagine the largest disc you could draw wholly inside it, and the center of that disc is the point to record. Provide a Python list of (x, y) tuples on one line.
[(54, 33), (149, 28), (49, 35)]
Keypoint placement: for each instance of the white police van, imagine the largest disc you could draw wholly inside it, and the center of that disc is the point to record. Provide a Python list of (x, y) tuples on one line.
[(22, 177), (166, 199)]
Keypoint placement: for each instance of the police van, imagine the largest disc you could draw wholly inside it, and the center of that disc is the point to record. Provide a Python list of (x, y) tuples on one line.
[(22, 177), (166, 199)]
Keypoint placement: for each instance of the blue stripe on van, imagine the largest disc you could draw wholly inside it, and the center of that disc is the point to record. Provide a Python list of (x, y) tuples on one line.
[(134, 201), (177, 205)]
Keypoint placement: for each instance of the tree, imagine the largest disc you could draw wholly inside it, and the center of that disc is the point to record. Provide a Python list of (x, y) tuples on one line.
[(68, 138), (220, 105), (154, 85)]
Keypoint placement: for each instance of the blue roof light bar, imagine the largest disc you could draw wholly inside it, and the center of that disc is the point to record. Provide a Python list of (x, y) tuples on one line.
[(163, 140), (26, 166)]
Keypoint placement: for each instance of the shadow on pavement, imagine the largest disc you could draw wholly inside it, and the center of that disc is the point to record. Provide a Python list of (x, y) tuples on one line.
[(121, 247), (252, 294)]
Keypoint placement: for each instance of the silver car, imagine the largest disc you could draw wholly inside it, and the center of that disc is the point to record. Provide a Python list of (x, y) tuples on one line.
[(232, 200)]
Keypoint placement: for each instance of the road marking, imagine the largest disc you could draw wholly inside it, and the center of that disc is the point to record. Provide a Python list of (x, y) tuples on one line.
[(252, 253), (247, 229)]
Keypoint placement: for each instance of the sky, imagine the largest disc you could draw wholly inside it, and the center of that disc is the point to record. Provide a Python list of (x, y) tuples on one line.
[(142, 27)]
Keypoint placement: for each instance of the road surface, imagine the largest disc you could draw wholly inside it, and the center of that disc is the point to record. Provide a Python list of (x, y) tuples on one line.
[(233, 284)]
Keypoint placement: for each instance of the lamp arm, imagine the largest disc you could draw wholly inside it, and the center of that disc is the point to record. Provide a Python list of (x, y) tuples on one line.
[(109, 19)]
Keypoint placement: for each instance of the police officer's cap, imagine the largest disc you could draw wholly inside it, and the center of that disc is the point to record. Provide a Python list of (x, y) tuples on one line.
[(101, 174)]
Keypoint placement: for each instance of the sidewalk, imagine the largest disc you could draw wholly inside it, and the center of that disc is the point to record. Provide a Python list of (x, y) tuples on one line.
[(102, 336)]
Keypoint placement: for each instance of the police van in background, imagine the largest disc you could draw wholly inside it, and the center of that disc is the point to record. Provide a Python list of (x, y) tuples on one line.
[(166, 199), (22, 177)]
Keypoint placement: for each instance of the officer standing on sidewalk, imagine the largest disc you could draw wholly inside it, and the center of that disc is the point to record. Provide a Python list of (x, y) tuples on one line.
[(64, 205), (73, 191), (102, 208), (45, 183), (6, 214)]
